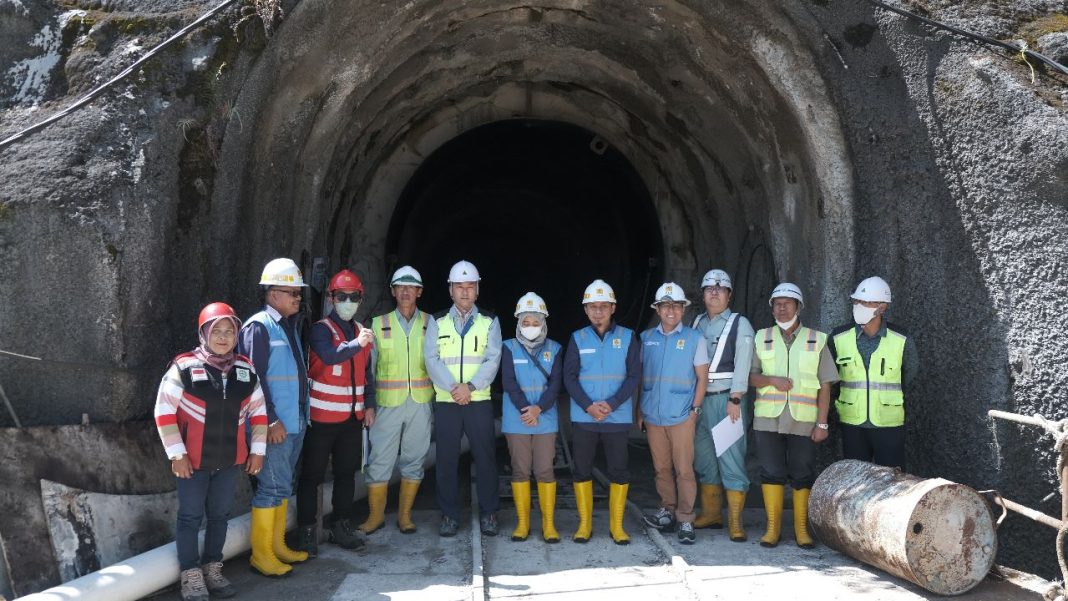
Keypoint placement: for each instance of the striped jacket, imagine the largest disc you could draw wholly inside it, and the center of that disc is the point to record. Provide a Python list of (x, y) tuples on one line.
[(200, 413)]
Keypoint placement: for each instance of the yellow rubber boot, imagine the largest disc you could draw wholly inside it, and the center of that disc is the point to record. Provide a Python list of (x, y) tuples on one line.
[(773, 494), (408, 489), (711, 507), (281, 551), (521, 494), (801, 519), (735, 506), (547, 503), (617, 506), (262, 539), (376, 504), (584, 501)]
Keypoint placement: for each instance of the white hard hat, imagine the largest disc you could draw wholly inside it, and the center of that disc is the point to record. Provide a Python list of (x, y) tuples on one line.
[(281, 272), (670, 292), (716, 277), (531, 303), (464, 271), (598, 292), (406, 276), (787, 290), (873, 289)]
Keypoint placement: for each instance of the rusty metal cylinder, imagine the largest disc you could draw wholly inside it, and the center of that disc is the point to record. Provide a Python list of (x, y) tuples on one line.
[(935, 533)]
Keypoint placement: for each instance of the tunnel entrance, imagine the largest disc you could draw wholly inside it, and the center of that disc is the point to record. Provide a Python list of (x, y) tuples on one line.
[(535, 205)]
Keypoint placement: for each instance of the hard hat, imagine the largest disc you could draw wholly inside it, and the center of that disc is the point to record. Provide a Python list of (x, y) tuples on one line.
[(531, 303), (345, 280), (716, 277), (281, 272), (670, 292), (216, 311), (787, 290), (464, 271), (598, 292), (406, 276), (873, 289)]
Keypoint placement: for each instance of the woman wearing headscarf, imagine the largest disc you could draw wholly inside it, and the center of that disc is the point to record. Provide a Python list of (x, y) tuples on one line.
[(532, 375), (204, 401)]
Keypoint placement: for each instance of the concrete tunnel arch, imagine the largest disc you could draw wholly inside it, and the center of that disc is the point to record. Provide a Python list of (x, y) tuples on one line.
[(721, 115)]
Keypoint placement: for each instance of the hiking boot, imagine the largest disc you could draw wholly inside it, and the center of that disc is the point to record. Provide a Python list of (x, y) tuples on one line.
[(448, 527), (193, 587), (217, 584), (344, 535), (663, 520), (307, 541), (488, 524), (686, 535)]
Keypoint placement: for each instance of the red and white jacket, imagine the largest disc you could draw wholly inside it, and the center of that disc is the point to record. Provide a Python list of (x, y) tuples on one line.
[(337, 391), (202, 414)]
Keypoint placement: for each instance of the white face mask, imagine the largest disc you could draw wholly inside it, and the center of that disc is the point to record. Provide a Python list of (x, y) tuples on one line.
[(863, 315), (786, 325), (346, 310), (530, 332)]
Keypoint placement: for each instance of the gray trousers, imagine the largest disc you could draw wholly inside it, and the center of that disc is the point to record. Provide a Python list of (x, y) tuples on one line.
[(399, 437)]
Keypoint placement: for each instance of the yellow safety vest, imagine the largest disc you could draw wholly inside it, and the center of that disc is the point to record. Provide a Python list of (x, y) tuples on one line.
[(872, 393), (400, 370), (463, 354), (800, 363)]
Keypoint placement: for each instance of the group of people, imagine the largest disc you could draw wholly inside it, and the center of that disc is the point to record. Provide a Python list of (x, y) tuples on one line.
[(249, 398)]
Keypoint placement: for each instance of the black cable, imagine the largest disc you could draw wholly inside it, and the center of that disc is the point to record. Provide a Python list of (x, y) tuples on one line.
[(973, 36), (99, 90)]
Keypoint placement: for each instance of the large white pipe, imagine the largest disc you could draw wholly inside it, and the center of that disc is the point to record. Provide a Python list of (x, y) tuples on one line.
[(153, 570)]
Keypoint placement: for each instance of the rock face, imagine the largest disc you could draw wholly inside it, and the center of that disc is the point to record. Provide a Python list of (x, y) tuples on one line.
[(817, 142)]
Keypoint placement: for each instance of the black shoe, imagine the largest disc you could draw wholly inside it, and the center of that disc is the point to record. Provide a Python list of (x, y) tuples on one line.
[(663, 520), (686, 533), (345, 535), (448, 527), (307, 541), (488, 524)]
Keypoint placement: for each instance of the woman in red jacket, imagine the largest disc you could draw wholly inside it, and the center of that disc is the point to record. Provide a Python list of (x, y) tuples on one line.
[(205, 399)]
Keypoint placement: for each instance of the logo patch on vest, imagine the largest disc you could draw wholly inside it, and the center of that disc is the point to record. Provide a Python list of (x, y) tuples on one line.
[(652, 343), (617, 343), (336, 370), (681, 344), (198, 374), (242, 375), (546, 356)]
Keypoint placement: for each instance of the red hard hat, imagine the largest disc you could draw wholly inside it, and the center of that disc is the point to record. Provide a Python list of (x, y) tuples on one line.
[(345, 280), (215, 311)]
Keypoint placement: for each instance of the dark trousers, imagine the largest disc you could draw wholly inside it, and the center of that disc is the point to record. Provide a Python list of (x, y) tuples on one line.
[(584, 449), (340, 444), (208, 492), (451, 422), (882, 446), (786, 457)]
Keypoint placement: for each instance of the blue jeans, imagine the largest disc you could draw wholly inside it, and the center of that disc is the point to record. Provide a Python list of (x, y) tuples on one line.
[(274, 483), (211, 492)]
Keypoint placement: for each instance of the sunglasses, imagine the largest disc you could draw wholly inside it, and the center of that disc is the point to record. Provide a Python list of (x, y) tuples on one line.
[(293, 293), (344, 297)]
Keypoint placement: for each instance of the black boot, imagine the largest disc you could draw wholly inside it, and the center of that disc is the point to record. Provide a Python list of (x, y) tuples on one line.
[(307, 541), (344, 534)]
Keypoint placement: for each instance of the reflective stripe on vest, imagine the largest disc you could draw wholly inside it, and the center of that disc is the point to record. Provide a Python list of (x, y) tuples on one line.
[(533, 383), (668, 378), (282, 377), (602, 369), (337, 391), (800, 363), (463, 354), (400, 370), (874, 392)]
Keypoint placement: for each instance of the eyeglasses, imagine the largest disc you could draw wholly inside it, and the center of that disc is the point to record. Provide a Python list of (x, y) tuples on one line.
[(716, 289), (344, 297), (670, 306), (293, 293)]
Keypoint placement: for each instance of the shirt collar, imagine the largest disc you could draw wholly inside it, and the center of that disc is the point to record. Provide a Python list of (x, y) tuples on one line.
[(660, 328), (725, 315), (880, 334), (275, 315)]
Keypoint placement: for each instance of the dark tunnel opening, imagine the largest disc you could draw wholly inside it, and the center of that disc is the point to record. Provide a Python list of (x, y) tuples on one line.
[(535, 205)]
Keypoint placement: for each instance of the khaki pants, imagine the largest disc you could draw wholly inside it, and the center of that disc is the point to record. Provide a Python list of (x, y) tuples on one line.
[(672, 450), (532, 453)]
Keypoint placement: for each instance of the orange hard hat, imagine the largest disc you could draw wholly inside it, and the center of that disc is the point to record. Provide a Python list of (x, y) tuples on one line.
[(215, 311), (345, 280)]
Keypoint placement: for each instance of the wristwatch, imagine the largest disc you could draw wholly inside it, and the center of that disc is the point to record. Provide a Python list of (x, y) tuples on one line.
[(696, 409), (735, 400), (177, 457), (823, 426)]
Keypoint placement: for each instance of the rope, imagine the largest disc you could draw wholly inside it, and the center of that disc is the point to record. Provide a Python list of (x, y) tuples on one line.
[(74, 364), (99, 90)]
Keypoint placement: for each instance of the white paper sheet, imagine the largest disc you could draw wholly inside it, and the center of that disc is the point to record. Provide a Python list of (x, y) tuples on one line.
[(725, 433)]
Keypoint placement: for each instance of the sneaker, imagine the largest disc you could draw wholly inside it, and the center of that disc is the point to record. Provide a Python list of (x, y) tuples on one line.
[(217, 584), (488, 524), (686, 535), (663, 520), (448, 527), (307, 541), (192, 585), (344, 535)]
